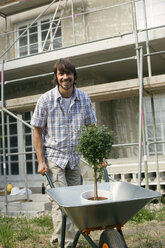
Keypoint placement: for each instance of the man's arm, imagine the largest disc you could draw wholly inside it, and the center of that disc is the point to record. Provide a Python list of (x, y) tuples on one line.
[(38, 145)]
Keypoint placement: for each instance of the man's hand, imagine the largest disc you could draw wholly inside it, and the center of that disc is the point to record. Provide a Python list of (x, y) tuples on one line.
[(42, 166), (104, 163)]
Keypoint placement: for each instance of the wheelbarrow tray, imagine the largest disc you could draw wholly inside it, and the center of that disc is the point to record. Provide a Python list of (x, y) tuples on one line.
[(127, 199)]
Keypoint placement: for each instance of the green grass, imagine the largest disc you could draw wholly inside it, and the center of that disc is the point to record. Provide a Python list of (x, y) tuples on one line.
[(147, 215), (36, 232), (6, 235), (21, 229), (26, 231), (148, 241), (45, 221)]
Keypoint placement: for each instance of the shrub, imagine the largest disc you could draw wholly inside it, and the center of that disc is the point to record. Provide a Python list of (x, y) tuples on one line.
[(95, 144)]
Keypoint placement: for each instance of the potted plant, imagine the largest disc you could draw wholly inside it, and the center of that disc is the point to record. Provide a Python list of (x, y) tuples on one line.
[(95, 143)]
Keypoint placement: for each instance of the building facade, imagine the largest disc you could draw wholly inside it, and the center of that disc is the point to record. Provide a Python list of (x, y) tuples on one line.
[(103, 39)]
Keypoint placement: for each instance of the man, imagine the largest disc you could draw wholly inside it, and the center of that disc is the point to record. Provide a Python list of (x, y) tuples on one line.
[(58, 118)]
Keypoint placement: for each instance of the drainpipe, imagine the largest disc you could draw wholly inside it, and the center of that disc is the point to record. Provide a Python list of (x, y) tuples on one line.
[(3, 135)]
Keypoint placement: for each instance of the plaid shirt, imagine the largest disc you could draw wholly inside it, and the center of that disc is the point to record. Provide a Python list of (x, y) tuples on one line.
[(61, 128)]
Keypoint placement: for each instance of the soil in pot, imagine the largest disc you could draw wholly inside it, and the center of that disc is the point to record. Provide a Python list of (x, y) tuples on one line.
[(100, 198)]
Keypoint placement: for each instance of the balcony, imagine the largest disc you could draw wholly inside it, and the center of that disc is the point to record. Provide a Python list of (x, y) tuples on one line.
[(103, 55)]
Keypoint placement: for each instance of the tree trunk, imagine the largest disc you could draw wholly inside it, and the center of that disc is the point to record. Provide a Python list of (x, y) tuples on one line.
[(95, 186)]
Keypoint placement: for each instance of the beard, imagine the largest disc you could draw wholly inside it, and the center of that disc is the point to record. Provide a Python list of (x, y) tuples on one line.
[(66, 84)]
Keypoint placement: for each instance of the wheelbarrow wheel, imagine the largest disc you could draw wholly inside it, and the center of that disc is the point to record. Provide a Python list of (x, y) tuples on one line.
[(111, 238)]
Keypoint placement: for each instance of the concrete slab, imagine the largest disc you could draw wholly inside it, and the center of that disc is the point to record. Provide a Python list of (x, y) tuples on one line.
[(16, 206)]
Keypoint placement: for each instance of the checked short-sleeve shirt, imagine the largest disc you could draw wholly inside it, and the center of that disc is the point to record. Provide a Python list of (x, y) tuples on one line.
[(61, 128)]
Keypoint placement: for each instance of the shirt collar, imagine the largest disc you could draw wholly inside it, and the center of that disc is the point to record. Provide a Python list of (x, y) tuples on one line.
[(57, 94)]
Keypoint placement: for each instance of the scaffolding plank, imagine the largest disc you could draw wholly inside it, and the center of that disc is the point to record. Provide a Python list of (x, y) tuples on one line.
[(9, 7)]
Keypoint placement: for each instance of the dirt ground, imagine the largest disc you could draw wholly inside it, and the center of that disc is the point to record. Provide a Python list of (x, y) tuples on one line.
[(147, 235)]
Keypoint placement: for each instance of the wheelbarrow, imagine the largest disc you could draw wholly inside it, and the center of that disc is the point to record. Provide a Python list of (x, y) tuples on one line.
[(109, 215)]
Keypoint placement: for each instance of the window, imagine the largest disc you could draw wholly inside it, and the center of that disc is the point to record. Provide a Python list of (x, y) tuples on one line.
[(43, 35), (14, 145), (159, 108), (11, 146)]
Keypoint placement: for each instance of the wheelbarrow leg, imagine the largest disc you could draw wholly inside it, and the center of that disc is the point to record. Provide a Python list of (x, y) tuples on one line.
[(63, 230), (90, 241), (121, 233), (76, 238)]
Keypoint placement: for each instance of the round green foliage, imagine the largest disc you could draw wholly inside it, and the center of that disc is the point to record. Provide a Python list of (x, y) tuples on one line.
[(95, 144)]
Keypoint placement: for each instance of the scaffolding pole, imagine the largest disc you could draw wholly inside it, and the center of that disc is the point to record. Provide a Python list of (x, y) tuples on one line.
[(50, 27), (145, 150), (140, 113), (73, 23), (24, 162), (6, 37), (139, 55), (16, 117), (3, 136), (147, 40), (156, 151), (84, 20), (151, 95), (136, 34), (154, 53), (150, 74)]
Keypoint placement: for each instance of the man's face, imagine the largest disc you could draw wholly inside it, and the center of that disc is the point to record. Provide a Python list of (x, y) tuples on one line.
[(65, 79)]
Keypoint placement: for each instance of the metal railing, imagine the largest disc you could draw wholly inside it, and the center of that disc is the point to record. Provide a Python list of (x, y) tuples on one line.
[(73, 17)]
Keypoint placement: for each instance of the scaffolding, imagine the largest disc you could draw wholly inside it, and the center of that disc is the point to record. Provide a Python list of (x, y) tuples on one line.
[(139, 59)]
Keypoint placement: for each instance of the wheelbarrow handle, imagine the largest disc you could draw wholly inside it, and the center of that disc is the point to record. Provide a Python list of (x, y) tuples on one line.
[(106, 174), (44, 172)]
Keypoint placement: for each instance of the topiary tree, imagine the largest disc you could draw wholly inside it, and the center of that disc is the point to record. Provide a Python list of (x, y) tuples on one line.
[(95, 144)]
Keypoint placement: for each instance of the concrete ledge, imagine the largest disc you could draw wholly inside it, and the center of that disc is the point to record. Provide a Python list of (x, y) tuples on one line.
[(26, 208), (101, 92), (33, 197), (126, 170)]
